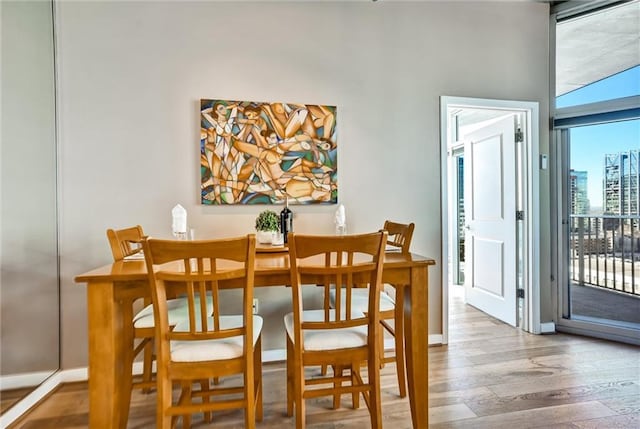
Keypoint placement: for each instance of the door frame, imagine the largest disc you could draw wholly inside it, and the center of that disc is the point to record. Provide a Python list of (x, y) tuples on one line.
[(530, 165)]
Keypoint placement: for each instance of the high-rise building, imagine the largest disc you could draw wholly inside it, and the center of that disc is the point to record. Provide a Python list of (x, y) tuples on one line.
[(621, 183), (578, 189)]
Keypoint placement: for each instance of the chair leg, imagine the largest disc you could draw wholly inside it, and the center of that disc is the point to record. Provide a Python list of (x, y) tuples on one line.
[(355, 375), (185, 398), (290, 375), (204, 387), (337, 372), (147, 364), (163, 419), (127, 380), (250, 396), (381, 345), (257, 364), (399, 341), (298, 371), (375, 407)]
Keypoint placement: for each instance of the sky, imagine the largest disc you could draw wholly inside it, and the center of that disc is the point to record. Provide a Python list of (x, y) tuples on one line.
[(589, 144)]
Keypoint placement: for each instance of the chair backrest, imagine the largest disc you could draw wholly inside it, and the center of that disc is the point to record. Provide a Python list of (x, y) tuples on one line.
[(125, 242), (341, 262), (400, 235), (200, 268)]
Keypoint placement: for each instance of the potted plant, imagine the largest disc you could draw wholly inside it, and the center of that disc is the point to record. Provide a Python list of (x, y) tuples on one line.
[(267, 225)]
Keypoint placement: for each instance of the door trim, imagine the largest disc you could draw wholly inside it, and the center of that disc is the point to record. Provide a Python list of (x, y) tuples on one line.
[(530, 172)]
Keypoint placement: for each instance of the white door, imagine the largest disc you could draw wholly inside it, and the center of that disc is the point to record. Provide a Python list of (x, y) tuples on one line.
[(490, 219)]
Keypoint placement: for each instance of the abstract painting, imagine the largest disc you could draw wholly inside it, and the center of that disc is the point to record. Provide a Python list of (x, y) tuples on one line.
[(267, 153)]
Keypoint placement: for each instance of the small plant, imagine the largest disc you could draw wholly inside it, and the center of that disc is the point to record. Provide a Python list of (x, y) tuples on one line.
[(267, 221)]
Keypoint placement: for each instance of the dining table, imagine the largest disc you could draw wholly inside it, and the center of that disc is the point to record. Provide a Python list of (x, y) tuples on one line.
[(113, 288)]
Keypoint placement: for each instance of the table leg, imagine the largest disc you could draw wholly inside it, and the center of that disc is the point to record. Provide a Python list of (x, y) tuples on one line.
[(109, 380), (416, 317)]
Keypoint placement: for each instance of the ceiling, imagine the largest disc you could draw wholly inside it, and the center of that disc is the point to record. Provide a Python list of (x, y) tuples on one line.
[(592, 47)]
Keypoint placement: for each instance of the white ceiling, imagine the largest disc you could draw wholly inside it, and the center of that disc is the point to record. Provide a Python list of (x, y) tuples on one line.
[(592, 47)]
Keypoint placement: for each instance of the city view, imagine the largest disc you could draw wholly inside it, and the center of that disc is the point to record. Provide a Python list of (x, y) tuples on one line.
[(605, 236), (604, 215), (604, 206)]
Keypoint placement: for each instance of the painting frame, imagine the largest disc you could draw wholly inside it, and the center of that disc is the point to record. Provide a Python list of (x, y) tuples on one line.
[(267, 153)]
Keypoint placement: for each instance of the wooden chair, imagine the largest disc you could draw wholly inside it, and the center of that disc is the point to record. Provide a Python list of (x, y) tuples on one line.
[(207, 344), (341, 337), (400, 236), (126, 242), (391, 307)]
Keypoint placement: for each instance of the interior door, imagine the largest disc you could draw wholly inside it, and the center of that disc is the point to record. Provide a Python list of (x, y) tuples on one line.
[(490, 219)]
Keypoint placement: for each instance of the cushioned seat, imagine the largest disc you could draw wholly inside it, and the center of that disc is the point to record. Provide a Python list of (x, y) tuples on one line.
[(212, 350), (328, 339)]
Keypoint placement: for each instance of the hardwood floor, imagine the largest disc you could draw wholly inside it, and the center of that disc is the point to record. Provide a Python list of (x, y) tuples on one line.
[(489, 376), (9, 398)]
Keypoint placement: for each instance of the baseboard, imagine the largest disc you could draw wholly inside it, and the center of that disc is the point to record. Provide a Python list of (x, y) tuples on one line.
[(28, 379), (278, 355), (435, 339), (548, 328)]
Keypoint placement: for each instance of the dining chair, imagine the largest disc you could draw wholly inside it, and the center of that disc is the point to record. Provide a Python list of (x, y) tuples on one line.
[(125, 243), (342, 337), (207, 344), (391, 307)]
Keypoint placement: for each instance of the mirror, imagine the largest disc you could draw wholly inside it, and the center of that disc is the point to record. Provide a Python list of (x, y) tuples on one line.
[(29, 281)]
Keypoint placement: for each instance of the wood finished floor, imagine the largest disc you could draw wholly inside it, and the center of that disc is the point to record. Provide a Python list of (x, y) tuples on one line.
[(489, 376), (9, 398)]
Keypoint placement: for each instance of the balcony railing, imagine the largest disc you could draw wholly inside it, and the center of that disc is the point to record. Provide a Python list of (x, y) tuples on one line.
[(605, 252)]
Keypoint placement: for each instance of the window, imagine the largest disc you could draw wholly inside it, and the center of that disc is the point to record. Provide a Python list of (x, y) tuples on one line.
[(597, 143)]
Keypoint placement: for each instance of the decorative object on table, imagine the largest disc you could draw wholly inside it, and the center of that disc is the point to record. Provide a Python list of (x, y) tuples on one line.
[(267, 224), (262, 153), (286, 221), (341, 220), (179, 222)]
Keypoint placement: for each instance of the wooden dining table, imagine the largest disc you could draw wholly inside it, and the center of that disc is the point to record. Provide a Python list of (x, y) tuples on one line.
[(112, 289)]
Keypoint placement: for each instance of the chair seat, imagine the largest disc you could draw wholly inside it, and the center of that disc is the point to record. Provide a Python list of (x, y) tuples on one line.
[(178, 312), (208, 350), (360, 299), (328, 339)]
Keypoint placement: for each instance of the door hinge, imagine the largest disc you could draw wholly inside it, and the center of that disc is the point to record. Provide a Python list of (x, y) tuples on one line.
[(519, 135), (519, 214), (520, 293)]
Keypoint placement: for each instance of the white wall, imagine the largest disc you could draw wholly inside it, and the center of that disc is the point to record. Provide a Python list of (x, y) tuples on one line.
[(131, 76)]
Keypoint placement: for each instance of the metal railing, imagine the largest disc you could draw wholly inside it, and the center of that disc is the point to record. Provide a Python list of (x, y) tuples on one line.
[(605, 252)]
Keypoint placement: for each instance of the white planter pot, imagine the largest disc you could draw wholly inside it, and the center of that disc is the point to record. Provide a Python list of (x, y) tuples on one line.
[(265, 237)]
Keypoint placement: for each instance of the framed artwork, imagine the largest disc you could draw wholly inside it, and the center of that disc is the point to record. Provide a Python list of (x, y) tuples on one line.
[(265, 153)]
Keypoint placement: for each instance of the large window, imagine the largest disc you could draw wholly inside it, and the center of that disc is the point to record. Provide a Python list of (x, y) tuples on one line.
[(597, 142)]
